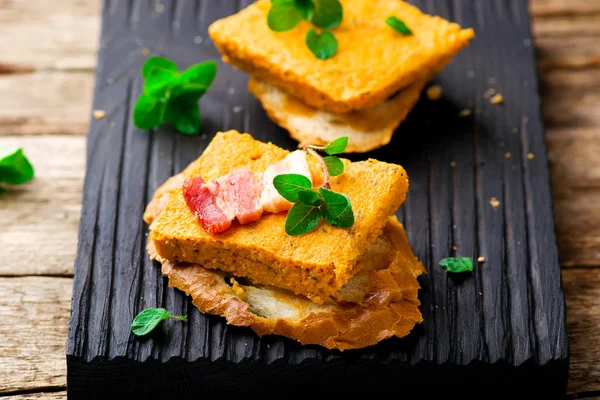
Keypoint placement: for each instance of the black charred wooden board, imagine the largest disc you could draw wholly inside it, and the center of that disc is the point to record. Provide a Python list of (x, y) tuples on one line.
[(498, 330)]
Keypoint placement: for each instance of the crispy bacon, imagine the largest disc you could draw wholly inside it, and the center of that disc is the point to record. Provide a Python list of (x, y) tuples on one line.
[(202, 203), (240, 194)]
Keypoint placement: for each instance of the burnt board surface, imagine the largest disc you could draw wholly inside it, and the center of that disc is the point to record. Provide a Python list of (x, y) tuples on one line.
[(498, 330)]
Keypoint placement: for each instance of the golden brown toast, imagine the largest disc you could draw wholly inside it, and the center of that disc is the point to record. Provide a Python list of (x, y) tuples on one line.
[(385, 300), (317, 264), (373, 60), (366, 129)]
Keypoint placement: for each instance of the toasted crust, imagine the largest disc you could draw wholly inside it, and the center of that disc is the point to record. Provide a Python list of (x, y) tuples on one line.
[(388, 308), (262, 251), (366, 129), (372, 63)]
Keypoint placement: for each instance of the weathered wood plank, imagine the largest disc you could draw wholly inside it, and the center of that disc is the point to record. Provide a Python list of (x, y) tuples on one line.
[(545, 8), (568, 52), (570, 98), (582, 291), (35, 396), (573, 155), (41, 34), (35, 315), (40, 219), (45, 103)]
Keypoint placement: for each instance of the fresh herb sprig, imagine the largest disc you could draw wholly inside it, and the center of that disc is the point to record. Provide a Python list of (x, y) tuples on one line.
[(325, 14), (15, 168), (149, 319), (398, 25), (312, 204), (172, 96), (457, 264)]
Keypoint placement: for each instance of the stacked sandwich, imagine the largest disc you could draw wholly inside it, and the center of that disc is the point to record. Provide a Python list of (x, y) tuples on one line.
[(220, 233), (364, 91)]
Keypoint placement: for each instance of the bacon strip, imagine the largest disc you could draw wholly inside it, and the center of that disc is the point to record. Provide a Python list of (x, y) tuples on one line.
[(202, 203), (240, 194)]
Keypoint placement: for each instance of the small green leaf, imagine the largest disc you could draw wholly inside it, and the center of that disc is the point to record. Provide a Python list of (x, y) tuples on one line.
[(305, 8), (184, 113), (283, 15), (15, 168), (337, 146), (327, 14), (310, 197), (159, 63), (302, 219), (200, 76), (457, 264), (398, 25), (149, 112), (335, 166), (338, 210), (323, 45), (288, 185), (158, 82), (149, 319)]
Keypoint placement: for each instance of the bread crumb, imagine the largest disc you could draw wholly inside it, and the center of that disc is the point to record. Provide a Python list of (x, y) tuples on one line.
[(454, 248), (99, 114), (494, 202), (464, 113), (481, 294), (489, 93), (146, 51), (507, 155), (452, 163), (531, 156), (434, 92), (160, 8), (497, 99), (515, 130), (481, 259)]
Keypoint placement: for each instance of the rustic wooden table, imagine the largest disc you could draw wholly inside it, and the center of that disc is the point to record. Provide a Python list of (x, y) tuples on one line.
[(47, 60)]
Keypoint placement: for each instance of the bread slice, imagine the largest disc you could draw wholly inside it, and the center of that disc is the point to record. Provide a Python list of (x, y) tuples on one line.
[(261, 251), (372, 63), (366, 129), (386, 300)]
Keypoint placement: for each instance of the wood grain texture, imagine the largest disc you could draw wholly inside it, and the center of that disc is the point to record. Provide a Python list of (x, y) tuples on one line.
[(447, 206), (582, 290), (35, 314), (55, 35), (45, 103), (40, 219), (39, 396), (553, 8), (573, 155)]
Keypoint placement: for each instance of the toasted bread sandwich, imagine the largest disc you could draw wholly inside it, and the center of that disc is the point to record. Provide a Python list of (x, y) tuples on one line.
[(339, 288), (372, 62)]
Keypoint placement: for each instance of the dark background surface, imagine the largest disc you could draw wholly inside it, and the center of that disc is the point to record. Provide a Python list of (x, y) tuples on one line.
[(501, 327)]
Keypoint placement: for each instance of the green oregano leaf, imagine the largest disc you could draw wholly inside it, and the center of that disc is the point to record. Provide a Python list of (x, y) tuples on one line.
[(288, 185), (398, 25), (338, 210), (457, 264), (323, 45), (172, 97), (305, 8), (302, 219), (283, 15), (335, 166), (15, 168), (149, 112), (309, 197), (149, 319), (327, 14), (337, 146)]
